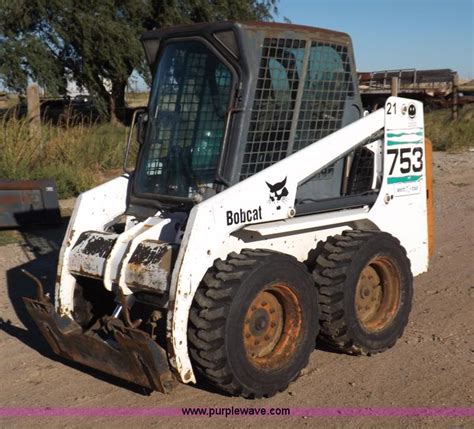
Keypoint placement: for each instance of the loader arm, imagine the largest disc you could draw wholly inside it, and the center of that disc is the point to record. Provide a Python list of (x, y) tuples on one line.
[(212, 228)]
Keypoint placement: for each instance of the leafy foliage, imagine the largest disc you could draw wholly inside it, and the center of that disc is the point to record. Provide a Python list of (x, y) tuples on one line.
[(96, 42)]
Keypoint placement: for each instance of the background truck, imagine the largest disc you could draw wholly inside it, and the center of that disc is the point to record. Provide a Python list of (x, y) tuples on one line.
[(265, 211)]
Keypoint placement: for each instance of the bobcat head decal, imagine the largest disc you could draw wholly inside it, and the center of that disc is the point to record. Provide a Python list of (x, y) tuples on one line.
[(278, 192)]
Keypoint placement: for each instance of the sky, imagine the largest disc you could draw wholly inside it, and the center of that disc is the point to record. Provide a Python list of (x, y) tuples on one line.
[(394, 34)]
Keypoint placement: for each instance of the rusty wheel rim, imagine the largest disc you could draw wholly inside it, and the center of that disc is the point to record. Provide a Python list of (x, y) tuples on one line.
[(377, 294), (272, 326)]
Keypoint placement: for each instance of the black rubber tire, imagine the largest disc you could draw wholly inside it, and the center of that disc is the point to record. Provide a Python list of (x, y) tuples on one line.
[(215, 330), (338, 267)]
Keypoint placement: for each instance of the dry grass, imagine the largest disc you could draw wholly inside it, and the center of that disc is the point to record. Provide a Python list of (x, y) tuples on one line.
[(137, 99), (9, 237), (82, 156), (76, 156), (449, 135)]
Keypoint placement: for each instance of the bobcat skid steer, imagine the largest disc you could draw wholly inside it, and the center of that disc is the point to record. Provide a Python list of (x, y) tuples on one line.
[(265, 210)]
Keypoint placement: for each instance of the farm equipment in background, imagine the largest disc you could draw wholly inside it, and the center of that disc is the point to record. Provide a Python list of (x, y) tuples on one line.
[(439, 88), (265, 210), (28, 202)]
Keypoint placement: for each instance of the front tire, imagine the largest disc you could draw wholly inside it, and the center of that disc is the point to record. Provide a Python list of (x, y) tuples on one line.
[(253, 323), (365, 290)]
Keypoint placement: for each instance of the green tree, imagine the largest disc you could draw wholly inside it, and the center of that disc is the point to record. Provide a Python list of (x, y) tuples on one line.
[(96, 42)]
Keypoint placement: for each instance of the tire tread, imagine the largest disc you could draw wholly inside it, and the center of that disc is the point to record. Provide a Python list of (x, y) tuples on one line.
[(330, 273), (206, 328)]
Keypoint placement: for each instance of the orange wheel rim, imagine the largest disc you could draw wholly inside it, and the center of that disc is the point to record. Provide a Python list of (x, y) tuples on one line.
[(377, 294), (272, 326)]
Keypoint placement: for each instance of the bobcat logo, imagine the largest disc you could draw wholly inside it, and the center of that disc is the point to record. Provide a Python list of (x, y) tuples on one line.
[(278, 192)]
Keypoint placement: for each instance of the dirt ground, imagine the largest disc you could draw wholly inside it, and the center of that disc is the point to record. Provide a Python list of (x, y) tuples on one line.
[(431, 365)]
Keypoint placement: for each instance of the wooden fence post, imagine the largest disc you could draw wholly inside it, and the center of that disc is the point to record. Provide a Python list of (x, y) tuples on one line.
[(455, 103), (34, 113), (394, 86)]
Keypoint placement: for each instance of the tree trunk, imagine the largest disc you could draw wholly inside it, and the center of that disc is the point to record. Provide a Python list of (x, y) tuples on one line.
[(117, 101), (102, 96)]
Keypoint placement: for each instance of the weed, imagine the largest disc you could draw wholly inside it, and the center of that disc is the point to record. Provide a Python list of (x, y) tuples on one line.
[(75, 156), (451, 135)]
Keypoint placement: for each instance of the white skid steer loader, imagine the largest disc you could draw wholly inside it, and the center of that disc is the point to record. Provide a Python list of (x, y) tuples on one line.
[(265, 211)]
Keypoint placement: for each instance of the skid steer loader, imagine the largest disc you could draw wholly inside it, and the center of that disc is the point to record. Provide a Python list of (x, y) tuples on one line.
[(266, 210)]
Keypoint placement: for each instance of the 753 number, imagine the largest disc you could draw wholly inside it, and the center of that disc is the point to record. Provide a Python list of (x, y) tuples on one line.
[(410, 159)]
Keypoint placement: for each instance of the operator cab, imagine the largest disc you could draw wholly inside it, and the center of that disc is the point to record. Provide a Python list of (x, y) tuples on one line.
[(229, 99)]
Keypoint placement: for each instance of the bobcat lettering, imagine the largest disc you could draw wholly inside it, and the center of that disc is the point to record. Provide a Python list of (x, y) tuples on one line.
[(243, 216)]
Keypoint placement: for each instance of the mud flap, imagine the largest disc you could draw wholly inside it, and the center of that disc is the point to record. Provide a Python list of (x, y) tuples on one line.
[(129, 354)]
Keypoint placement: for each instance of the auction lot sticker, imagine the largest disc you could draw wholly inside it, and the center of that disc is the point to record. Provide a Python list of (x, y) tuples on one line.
[(405, 154)]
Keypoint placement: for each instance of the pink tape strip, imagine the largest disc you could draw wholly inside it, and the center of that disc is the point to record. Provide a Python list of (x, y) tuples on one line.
[(294, 412)]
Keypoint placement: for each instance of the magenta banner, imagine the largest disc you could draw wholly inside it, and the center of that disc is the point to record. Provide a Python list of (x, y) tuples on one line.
[(236, 412)]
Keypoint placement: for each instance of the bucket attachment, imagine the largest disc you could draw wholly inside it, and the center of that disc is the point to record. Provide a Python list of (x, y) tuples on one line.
[(127, 353)]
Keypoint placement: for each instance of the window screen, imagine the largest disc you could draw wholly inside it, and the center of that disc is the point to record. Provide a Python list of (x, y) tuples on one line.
[(274, 103), (327, 84), (189, 103)]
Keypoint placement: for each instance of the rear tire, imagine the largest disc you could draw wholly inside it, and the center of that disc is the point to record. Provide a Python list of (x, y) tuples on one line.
[(365, 291), (253, 323)]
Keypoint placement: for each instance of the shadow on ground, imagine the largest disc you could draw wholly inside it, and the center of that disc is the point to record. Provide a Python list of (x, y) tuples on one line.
[(41, 245)]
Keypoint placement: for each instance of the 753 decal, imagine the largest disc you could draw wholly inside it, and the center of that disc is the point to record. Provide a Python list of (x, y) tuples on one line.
[(405, 160)]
